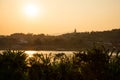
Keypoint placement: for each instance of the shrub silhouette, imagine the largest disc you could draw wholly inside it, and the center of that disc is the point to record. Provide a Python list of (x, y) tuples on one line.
[(59, 67), (97, 63), (40, 67), (114, 67), (13, 65)]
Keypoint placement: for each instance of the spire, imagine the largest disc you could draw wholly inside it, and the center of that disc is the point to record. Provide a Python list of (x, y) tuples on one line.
[(75, 30)]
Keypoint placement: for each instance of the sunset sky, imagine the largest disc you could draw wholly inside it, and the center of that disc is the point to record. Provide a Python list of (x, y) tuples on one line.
[(58, 16)]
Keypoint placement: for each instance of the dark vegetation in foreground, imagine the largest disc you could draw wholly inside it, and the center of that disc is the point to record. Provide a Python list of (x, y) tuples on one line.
[(68, 41), (97, 63)]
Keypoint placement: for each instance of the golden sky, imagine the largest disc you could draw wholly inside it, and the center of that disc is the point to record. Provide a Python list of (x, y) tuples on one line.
[(58, 16)]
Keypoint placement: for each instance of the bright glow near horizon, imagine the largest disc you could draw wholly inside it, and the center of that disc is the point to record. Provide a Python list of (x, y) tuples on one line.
[(58, 16)]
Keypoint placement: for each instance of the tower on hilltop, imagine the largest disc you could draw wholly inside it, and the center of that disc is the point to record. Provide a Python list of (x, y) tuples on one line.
[(75, 31)]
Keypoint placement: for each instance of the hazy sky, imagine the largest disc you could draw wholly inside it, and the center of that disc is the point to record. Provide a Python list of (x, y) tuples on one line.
[(58, 16)]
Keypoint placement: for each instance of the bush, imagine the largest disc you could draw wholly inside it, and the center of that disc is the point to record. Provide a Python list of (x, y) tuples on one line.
[(13, 65), (97, 63)]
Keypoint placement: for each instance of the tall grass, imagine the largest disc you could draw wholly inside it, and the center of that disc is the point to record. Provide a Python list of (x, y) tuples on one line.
[(97, 63)]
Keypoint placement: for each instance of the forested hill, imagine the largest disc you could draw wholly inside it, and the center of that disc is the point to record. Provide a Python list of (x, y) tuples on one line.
[(68, 41)]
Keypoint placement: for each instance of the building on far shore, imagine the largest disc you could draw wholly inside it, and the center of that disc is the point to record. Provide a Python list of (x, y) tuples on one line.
[(75, 31)]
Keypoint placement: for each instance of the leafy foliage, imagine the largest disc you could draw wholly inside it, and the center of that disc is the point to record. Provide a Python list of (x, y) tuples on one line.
[(97, 63), (13, 65)]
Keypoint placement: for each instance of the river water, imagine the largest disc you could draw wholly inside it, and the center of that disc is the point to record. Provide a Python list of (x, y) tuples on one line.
[(31, 52)]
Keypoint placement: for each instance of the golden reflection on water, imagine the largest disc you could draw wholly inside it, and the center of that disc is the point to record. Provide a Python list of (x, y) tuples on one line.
[(30, 53)]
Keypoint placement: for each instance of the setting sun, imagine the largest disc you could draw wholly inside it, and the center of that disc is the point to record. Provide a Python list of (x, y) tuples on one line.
[(31, 10), (42, 16)]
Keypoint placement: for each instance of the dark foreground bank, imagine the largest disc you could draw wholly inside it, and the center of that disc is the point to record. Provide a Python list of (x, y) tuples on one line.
[(93, 64)]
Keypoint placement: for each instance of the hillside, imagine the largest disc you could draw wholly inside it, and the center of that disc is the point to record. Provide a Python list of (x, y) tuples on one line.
[(68, 41)]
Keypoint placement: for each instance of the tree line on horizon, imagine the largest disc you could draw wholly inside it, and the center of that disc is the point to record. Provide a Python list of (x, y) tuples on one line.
[(68, 41)]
